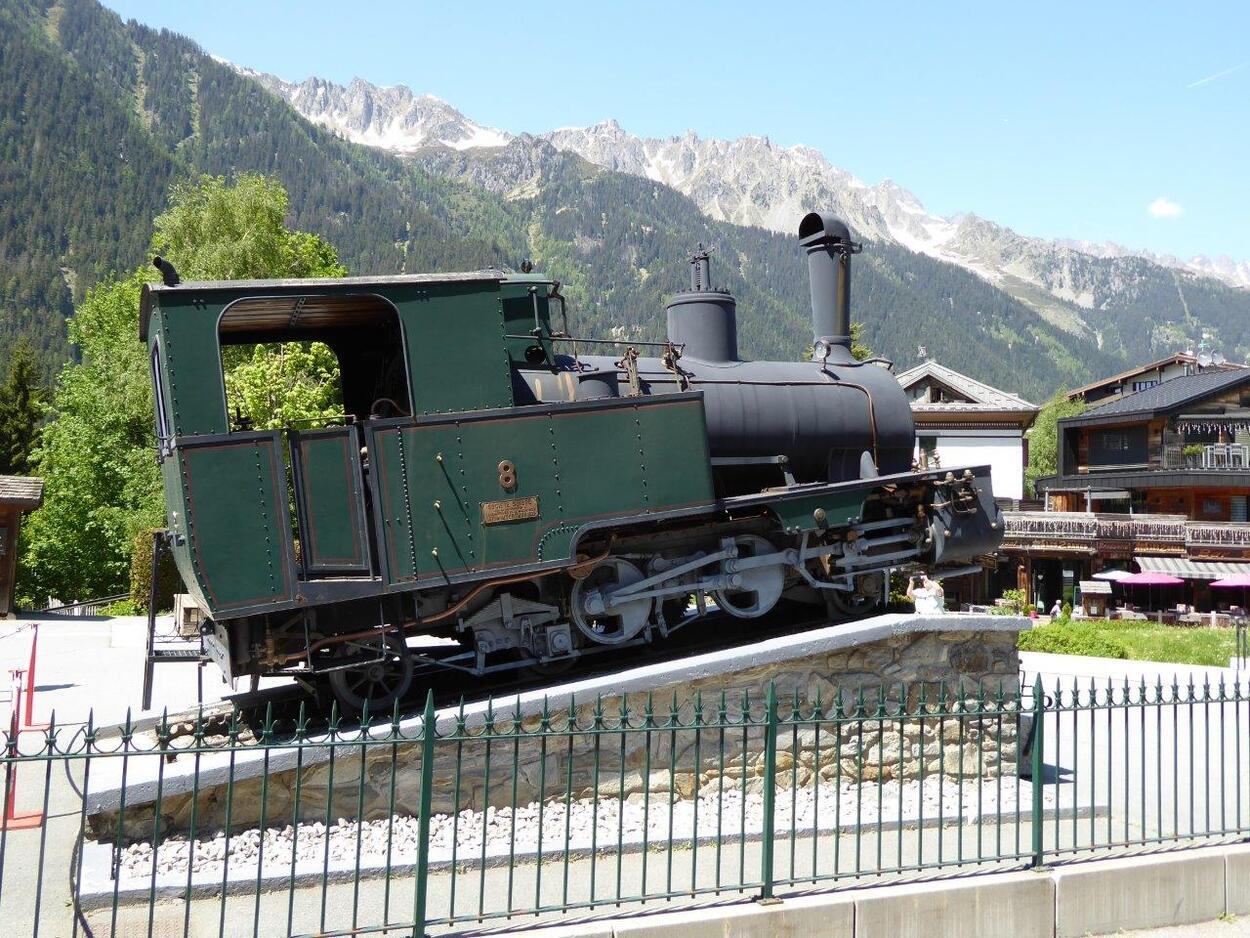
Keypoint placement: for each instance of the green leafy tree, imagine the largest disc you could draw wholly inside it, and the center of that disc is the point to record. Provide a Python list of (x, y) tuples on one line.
[(859, 346), (1044, 437), (96, 453), (283, 384), (21, 409), (217, 229)]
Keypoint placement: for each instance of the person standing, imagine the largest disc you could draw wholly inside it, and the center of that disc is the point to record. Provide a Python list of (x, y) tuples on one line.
[(1056, 610), (929, 597)]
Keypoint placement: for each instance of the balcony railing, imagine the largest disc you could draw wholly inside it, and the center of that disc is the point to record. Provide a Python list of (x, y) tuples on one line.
[(1073, 525), (1082, 528), (1208, 534), (1227, 456)]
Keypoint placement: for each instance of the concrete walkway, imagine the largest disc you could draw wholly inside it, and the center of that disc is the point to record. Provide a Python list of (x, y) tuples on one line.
[(1220, 928), (91, 664)]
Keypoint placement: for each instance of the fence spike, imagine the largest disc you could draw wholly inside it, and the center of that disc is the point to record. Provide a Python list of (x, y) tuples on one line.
[(333, 727)]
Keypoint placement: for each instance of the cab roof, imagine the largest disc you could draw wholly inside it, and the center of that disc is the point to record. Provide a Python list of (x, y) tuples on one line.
[(153, 291)]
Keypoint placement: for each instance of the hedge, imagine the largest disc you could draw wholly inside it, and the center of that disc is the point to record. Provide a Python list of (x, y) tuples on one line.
[(168, 580), (1071, 638)]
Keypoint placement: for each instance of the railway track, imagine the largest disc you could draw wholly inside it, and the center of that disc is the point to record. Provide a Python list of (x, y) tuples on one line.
[(451, 687)]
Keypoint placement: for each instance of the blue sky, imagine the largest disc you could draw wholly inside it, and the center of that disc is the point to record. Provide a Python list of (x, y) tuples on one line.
[(1057, 119)]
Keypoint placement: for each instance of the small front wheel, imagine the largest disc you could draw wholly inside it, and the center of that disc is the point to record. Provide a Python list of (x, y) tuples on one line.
[(383, 677)]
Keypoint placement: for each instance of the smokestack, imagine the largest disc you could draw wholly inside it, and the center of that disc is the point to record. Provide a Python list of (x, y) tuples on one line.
[(829, 247)]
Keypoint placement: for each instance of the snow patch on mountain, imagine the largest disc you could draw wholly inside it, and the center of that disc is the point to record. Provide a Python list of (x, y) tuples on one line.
[(392, 118)]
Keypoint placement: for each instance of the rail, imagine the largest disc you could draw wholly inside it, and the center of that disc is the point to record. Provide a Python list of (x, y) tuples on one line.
[(1209, 534), (86, 607), (1211, 456), (1084, 527), (457, 820)]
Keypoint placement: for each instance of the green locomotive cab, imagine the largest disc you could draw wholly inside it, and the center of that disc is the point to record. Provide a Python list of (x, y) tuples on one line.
[(490, 482)]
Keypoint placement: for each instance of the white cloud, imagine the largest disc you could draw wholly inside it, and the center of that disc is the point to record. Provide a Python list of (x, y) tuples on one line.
[(1164, 208)]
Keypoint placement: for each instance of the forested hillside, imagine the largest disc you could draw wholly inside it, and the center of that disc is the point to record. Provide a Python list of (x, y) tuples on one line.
[(97, 118)]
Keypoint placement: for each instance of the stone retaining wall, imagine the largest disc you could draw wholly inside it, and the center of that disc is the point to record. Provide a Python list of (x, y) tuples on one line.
[(901, 705)]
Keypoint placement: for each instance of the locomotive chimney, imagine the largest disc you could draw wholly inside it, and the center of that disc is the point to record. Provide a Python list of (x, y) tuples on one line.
[(829, 247)]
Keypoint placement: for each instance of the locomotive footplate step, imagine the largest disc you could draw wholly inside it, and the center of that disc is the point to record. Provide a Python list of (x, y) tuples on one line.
[(178, 654)]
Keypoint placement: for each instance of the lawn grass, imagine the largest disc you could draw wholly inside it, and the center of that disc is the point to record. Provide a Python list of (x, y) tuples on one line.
[(1141, 641)]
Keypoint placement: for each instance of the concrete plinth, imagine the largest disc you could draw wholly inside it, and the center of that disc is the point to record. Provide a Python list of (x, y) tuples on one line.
[(1138, 892), (1016, 904)]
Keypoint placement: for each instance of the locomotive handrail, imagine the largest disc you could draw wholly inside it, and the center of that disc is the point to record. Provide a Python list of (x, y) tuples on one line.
[(554, 337)]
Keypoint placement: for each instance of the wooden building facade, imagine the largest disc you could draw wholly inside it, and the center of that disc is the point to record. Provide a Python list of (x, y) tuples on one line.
[(18, 494), (1158, 480), (1180, 447)]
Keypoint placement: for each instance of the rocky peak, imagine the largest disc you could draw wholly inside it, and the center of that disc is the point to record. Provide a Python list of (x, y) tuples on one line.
[(749, 181)]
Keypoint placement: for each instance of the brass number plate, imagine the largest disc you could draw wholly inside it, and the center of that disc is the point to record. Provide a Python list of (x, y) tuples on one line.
[(510, 509)]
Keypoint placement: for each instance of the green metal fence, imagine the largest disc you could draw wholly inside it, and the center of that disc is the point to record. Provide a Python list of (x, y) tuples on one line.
[(527, 811)]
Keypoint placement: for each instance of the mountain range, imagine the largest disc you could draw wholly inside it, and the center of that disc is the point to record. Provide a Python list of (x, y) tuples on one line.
[(98, 116), (748, 181)]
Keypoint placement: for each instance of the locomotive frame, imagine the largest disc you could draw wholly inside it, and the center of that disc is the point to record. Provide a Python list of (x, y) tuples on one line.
[(485, 486)]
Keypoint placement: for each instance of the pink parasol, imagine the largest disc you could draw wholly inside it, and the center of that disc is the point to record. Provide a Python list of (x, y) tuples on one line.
[(1237, 581), (1150, 579)]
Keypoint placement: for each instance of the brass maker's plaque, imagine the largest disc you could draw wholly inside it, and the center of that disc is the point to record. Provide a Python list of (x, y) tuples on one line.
[(510, 509)]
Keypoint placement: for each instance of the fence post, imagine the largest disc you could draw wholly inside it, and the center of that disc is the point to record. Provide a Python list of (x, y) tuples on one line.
[(1036, 769), (429, 735), (30, 684), (770, 793)]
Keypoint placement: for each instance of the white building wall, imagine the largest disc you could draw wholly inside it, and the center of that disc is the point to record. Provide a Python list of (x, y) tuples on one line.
[(1002, 451)]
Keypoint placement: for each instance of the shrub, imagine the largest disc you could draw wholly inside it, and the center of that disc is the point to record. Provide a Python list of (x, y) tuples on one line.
[(898, 590), (123, 607), (1071, 638), (168, 581), (1015, 603)]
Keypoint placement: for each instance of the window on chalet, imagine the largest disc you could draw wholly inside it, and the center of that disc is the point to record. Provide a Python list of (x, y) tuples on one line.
[(1119, 446), (1143, 385), (1213, 509)]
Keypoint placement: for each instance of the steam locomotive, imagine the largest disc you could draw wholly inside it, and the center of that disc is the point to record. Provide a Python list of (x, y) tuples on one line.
[(493, 483)]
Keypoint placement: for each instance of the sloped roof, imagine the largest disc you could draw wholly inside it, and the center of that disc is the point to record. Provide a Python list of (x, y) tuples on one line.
[(982, 398), (1179, 358), (23, 491), (1169, 395)]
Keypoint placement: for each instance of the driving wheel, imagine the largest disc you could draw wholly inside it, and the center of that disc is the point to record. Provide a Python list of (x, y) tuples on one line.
[(622, 621), (758, 588)]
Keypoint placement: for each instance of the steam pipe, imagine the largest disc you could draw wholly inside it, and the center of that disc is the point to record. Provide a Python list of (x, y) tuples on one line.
[(827, 241)]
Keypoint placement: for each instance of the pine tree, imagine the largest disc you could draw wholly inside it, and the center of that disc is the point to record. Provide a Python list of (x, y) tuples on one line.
[(21, 409)]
